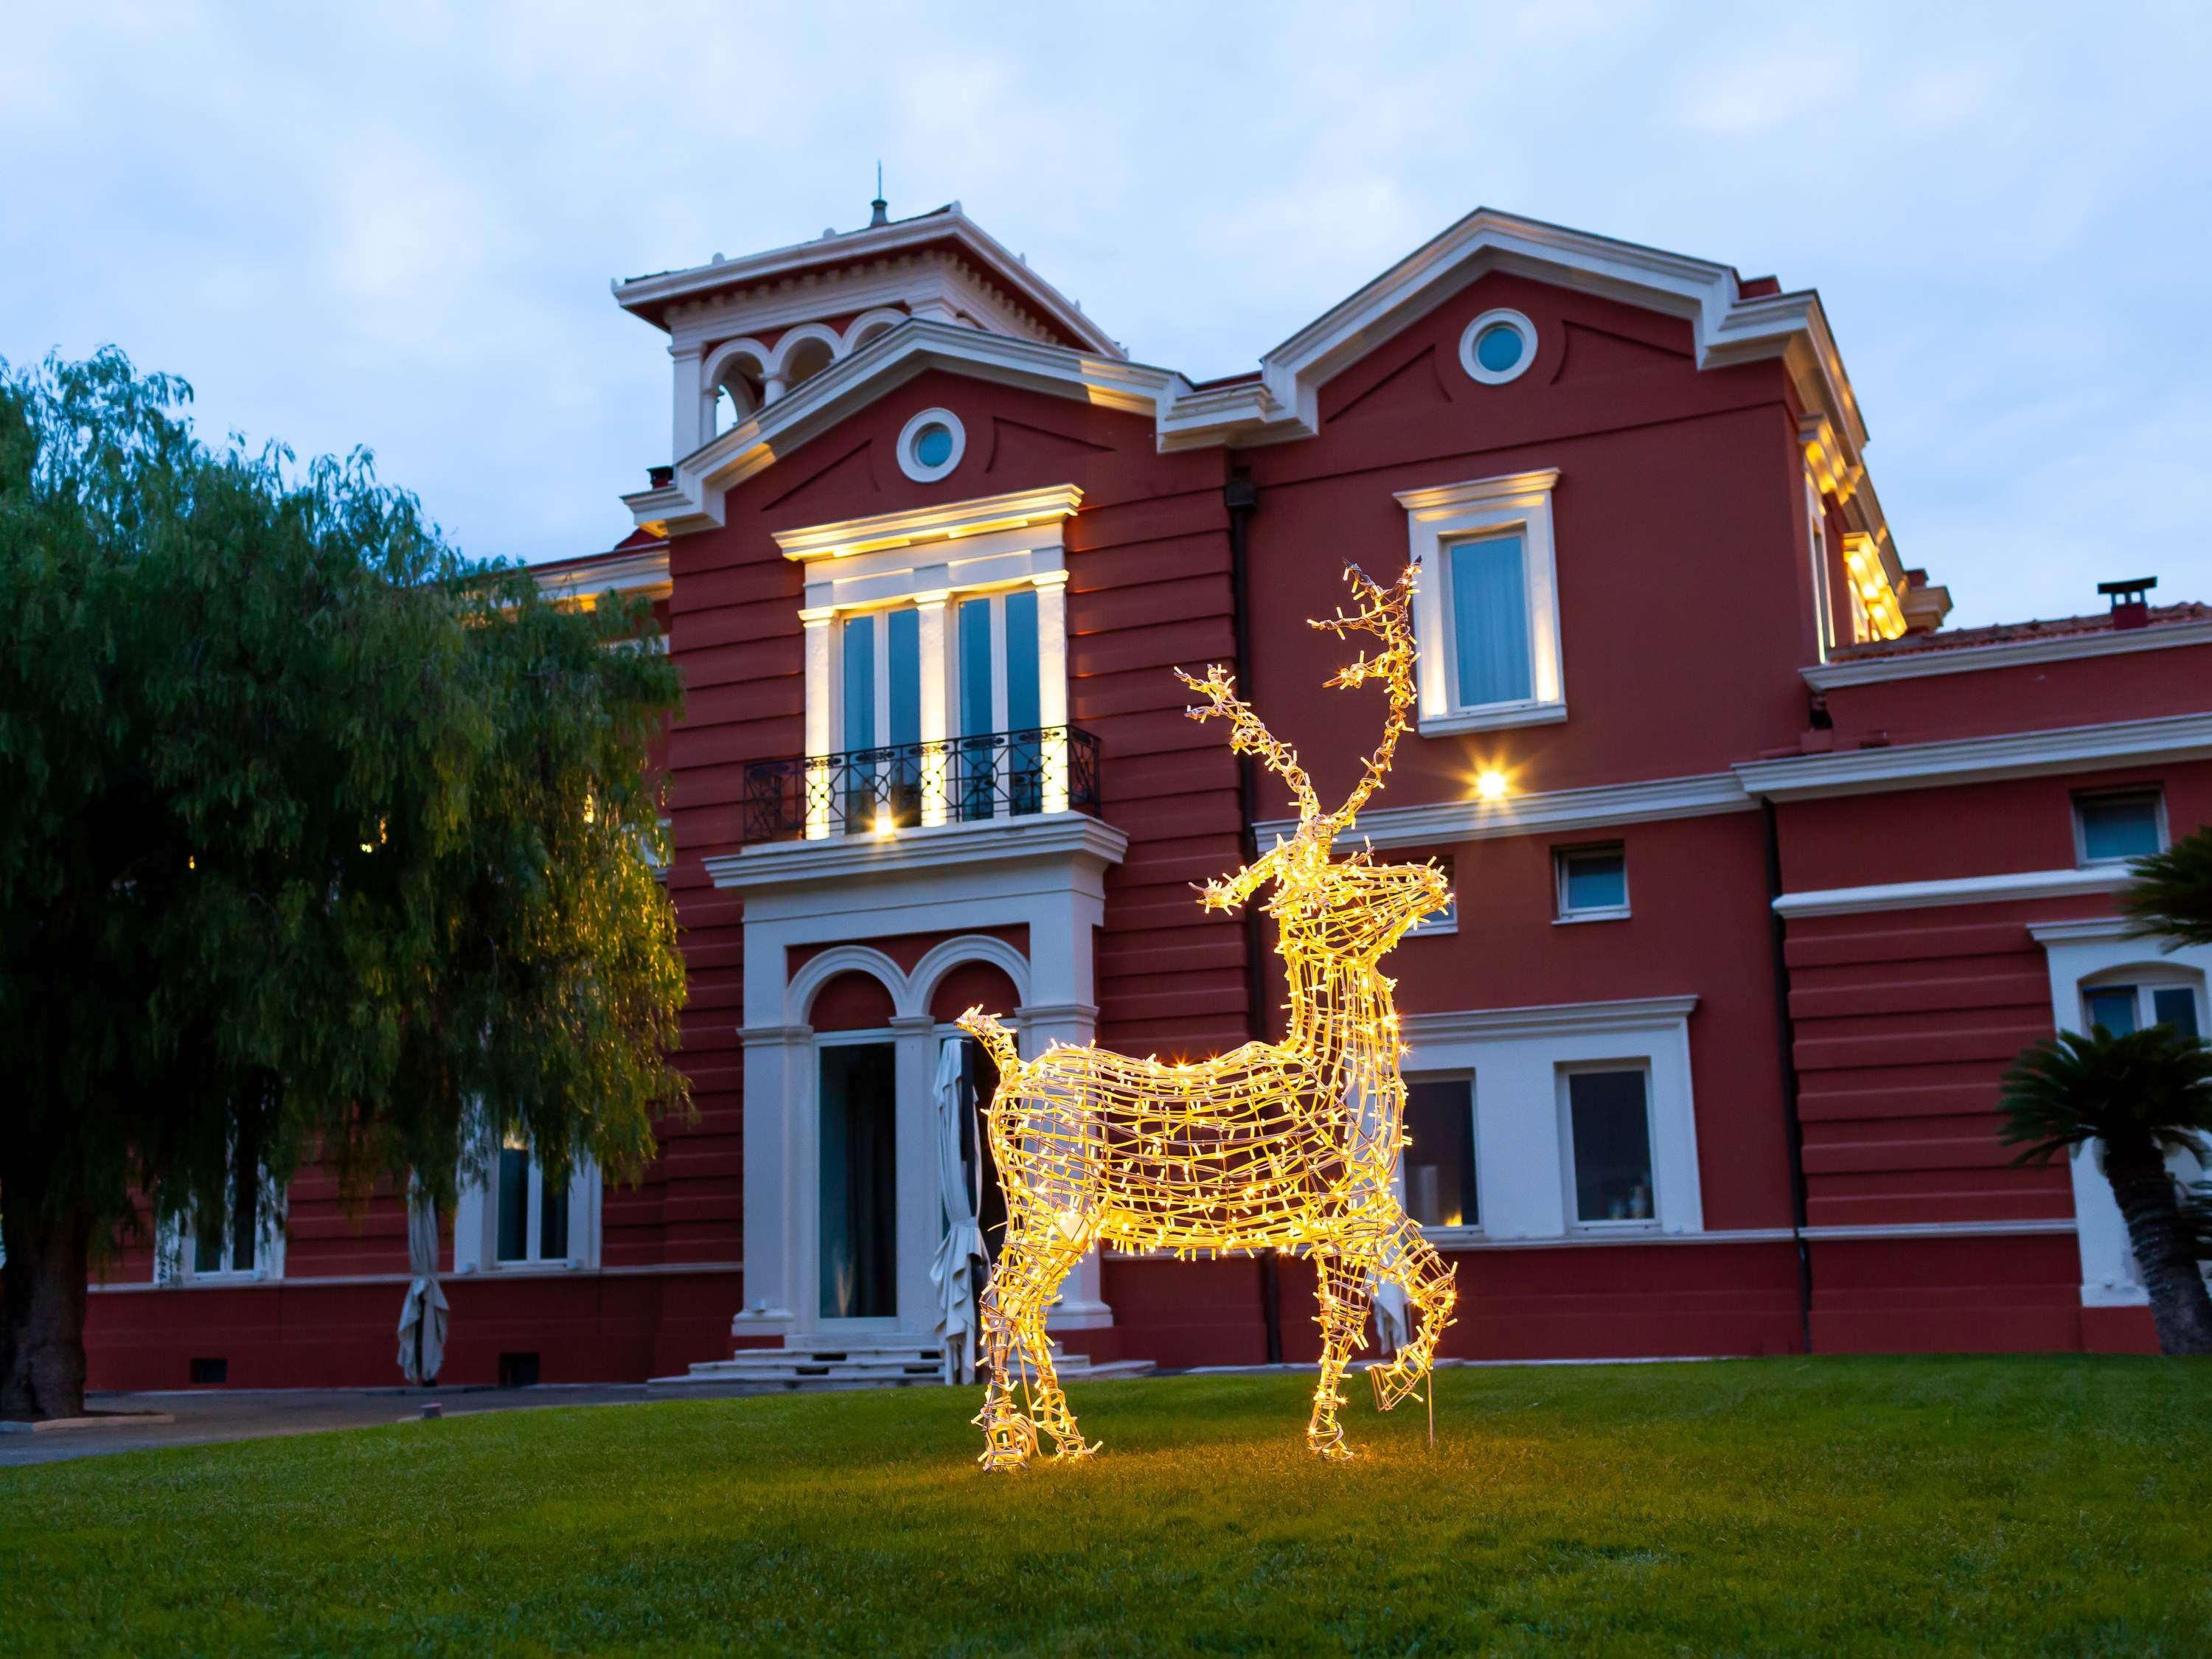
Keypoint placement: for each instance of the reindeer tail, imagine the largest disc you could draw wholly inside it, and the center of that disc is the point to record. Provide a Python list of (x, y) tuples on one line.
[(993, 1036)]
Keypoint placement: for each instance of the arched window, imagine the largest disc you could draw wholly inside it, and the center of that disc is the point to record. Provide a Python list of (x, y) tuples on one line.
[(2133, 999)]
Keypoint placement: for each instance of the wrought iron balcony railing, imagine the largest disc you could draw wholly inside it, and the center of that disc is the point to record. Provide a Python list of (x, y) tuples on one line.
[(1052, 768)]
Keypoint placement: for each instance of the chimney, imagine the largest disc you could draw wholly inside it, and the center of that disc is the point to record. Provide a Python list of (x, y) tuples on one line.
[(2129, 607)]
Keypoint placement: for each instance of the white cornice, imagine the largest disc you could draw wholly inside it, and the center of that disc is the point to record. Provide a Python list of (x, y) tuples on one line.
[(644, 570), (973, 517), (645, 295), (1549, 1019), (920, 853), (1558, 811), (1872, 1230), (1476, 492), (1981, 760), (1283, 402), (2093, 929), (1961, 890), (2006, 653), (693, 500)]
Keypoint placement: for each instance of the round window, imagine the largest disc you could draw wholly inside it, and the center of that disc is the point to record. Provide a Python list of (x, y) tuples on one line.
[(930, 444), (1497, 346)]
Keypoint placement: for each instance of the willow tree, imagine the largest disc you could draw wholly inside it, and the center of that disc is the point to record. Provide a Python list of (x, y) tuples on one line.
[(317, 842)]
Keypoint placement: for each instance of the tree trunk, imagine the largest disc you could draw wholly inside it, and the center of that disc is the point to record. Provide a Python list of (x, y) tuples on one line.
[(2165, 1252), (42, 1284)]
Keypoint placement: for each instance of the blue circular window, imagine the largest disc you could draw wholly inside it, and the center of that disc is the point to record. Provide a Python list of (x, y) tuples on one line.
[(932, 445), (1498, 347)]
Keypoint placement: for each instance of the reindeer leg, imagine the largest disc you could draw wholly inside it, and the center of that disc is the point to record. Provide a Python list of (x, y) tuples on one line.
[(1048, 1407), (1414, 1263), (1343, 1322), (1009, 1437)]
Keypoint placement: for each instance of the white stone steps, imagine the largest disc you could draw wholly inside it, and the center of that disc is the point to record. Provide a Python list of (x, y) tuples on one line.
[(870, 1363)]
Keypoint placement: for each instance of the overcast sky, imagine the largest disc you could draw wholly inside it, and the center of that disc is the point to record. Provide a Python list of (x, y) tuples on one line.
[(393, 225)]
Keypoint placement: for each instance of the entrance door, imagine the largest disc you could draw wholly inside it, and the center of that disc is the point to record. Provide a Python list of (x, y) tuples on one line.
[(859, 1241)]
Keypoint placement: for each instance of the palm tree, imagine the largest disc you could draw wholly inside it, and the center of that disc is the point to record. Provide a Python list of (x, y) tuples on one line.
[(2142, 1096), (2170, 892)]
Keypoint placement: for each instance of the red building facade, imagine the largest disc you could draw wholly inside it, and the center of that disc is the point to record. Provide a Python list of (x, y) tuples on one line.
[(1762, 878)]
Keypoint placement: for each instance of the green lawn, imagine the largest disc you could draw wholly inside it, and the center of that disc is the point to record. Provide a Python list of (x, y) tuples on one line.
[(1828, 1506)]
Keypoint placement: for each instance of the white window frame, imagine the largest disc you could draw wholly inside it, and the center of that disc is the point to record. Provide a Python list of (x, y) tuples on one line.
[(1563, 914), (914, 468), (1515, 320), (879, 644), (2155, 794), (2143, 980), (1523, 1174), (811, 1209), (176, 1247), (1441, 516), (1445, 920), (476, 1221), (2080, 956), (1449, 1074), (1562, 1073)]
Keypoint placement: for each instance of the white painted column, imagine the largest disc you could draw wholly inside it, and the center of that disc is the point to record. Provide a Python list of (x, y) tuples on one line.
[(777, 1149), (693, 426), (919, 1220), (933, 610), (1051, 684), (819, 669), (771, 388), (1063, 1007)]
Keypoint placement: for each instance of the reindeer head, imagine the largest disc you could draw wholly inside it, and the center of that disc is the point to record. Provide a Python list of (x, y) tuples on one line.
[(1360, 907)]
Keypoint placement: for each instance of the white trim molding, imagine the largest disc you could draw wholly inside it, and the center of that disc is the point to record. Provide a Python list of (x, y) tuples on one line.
[(692, 500), (2005, 653), (1439, 517), (1518, 1058), (1958, 889), (1563, 812), (624, 570), (845, 860), (2031, 1227), (941, 521), (1981, 760)]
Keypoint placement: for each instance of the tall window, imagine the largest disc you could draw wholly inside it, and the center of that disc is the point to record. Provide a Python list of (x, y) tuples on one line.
[(225, 1244), (882, 700), (859, 1227), (999, 761), (2111, 826), (1439, 1166), (1608, 1144), (533, 1221), (1490, 621)]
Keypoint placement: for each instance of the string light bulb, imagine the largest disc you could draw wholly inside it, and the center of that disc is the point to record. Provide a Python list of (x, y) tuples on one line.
[(1291, 1145)]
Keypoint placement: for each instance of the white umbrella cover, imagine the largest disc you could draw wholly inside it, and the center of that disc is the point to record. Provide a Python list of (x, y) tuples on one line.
[(962, 1248), (1393, 1318), (422, 1315)]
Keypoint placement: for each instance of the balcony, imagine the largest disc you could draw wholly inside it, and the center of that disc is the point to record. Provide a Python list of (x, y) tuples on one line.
[(878, 792)]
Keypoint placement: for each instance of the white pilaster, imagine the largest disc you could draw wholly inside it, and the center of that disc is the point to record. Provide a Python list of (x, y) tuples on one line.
[(776, 1148), (819, 669), (936, 688), (1051, 683), (1081, 1306), (693, 399)]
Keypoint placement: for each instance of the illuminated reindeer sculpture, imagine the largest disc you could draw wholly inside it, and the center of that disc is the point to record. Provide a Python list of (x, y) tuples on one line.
[(1290, 1146)]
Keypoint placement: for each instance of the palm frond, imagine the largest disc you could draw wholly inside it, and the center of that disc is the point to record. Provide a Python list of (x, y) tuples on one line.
[(2170, 893), (2152, 1086)]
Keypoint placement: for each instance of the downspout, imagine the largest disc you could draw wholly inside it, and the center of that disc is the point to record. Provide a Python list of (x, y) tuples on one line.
[(1786, 1030), (1242, 497)]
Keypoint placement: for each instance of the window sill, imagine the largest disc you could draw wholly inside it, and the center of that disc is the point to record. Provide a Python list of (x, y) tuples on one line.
[(573, 1264), (1491, 720), (1432, 930), (1580, 916), (1614, 1228)]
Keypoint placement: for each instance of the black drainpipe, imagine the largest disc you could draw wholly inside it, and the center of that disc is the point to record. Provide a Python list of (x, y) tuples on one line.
[(1786, 1027), (1242, 497)]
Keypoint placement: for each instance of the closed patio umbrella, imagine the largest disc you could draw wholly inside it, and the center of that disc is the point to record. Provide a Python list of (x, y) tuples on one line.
[(422, 1315), (960, 1195)]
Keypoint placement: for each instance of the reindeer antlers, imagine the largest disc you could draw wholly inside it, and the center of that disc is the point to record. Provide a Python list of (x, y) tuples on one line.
[(1388, 614), (1249, 734)]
